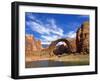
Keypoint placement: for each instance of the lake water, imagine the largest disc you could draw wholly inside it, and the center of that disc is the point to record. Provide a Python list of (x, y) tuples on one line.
[(49, 63)]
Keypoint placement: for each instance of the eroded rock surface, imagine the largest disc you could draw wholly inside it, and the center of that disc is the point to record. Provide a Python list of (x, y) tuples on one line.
[(82, 38)]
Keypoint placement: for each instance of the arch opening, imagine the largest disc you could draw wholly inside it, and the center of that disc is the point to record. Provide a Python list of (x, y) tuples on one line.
[(60, 46)]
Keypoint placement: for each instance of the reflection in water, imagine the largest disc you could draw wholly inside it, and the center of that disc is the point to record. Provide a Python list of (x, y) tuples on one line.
[(49, 63)]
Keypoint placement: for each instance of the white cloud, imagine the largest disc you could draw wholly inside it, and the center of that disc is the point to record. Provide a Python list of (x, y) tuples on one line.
[(37, 27), (61, 43), (54, 28), (48, 28), (30, 16), (49, 38), (49, 31), (45, 42), (71, 34)]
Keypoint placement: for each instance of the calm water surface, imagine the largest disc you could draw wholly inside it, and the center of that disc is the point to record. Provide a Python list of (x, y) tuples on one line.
[(49, 63)]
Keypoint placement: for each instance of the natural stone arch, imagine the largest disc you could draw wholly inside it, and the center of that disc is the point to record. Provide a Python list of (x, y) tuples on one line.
[(54, 43)]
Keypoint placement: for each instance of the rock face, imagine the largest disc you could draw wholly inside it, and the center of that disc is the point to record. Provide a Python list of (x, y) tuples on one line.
[(82, 38), (38, 45), (60, 49), (31, 44), (78, 44), (73, 44)]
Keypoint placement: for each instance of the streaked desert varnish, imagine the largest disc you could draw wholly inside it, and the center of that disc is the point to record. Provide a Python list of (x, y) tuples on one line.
[(82, 38)]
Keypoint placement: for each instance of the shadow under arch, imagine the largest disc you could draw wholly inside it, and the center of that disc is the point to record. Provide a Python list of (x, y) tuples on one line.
[(53, 44)]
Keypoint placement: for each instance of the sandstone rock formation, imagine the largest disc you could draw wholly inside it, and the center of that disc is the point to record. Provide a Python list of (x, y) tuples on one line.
[(31, 44), (73, 44), (60, 49), (78, 44), (82, 38)]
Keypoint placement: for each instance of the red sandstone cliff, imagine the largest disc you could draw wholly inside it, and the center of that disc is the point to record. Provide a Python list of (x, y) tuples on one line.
[(31, 44), (82, 38)]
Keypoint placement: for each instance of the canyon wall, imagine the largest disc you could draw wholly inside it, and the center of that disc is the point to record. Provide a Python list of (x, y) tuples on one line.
[(31, 44), (82, 38)]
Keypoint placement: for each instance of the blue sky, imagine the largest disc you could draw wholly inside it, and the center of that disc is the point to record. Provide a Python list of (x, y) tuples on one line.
[(48, 27)]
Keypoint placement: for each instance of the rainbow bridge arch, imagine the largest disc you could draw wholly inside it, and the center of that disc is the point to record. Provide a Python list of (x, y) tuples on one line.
[(53, 44)]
